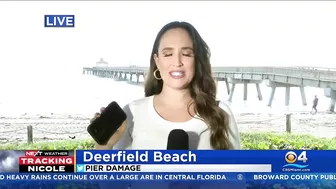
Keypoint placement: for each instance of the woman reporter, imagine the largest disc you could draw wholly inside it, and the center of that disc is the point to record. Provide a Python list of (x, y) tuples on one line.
[(180, 93)]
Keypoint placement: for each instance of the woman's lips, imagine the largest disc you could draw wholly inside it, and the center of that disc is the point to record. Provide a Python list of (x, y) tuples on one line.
[(177, 74)]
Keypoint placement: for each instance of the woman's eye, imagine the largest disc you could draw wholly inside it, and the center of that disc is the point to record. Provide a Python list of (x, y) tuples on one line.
[(167, 55), (189, 55)]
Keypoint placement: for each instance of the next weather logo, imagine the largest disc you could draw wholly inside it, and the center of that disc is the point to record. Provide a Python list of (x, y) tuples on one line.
[(296, 162), (59, 21)]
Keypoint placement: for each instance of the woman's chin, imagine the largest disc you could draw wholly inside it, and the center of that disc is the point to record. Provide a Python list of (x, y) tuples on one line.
[(178, 86)]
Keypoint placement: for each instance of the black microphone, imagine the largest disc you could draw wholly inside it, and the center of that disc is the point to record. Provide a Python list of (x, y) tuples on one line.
[(178, 139)]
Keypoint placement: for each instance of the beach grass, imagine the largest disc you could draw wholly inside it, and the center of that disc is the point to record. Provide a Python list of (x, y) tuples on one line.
[(250, 141)]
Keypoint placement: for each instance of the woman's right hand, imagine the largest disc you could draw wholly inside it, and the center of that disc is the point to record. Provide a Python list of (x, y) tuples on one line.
[(114, 139)]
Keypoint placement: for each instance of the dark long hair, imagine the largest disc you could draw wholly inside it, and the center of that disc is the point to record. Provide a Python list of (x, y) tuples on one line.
[(202, 87)]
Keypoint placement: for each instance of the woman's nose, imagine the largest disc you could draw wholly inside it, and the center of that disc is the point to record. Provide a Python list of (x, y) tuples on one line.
[(178, 61)]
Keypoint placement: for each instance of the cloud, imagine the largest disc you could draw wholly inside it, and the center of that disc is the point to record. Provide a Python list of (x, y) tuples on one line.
[(9, 161)]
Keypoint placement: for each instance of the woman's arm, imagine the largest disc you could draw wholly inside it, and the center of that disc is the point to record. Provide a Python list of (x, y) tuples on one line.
[(122, 138), (124, 142), (233, 128), (117, 136)]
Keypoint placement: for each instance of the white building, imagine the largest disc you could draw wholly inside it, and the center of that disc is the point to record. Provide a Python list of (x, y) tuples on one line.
[(101, 63)]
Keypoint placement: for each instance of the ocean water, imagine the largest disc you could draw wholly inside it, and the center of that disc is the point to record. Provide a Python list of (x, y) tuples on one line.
[(62, 93), (71, 92)]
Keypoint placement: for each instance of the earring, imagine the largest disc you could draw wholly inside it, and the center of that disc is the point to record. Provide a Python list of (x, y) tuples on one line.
[(155, 74)]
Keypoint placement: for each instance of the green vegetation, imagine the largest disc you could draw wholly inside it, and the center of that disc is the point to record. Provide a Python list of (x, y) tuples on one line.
[(250, 141), (269, 141)]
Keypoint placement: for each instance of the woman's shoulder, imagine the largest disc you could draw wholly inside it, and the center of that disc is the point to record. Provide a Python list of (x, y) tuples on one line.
[(233, 127), (142, 103), (225, 107)]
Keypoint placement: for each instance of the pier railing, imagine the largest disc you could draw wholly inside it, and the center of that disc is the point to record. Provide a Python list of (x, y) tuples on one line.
[(298, 72)]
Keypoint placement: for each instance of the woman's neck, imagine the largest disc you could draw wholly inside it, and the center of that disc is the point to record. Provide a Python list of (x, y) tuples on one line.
[(172, 97)]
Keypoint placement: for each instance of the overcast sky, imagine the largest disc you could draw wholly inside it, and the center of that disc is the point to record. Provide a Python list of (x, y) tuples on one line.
[(278, 33)]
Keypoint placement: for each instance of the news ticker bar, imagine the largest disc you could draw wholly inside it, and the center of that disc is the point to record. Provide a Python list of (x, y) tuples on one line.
[(194, 168), (209, 177)]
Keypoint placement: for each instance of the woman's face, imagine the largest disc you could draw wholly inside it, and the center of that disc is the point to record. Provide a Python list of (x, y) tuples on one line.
[(175, 59)]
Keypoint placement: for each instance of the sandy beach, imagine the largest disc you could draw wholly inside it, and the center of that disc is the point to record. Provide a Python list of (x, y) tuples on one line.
[(321, 125), (68, 127)]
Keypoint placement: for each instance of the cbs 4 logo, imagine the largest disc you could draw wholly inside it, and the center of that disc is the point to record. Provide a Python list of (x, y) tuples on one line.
[(292, 157)]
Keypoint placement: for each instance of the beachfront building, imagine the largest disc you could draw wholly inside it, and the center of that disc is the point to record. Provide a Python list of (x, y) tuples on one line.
[(101, 63)]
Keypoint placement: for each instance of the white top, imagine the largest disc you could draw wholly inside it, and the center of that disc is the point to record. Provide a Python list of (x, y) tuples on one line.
[(147, 130)]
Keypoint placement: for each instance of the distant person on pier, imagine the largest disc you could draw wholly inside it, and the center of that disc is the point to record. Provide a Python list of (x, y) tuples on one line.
[(315, 102), (180, 93)]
